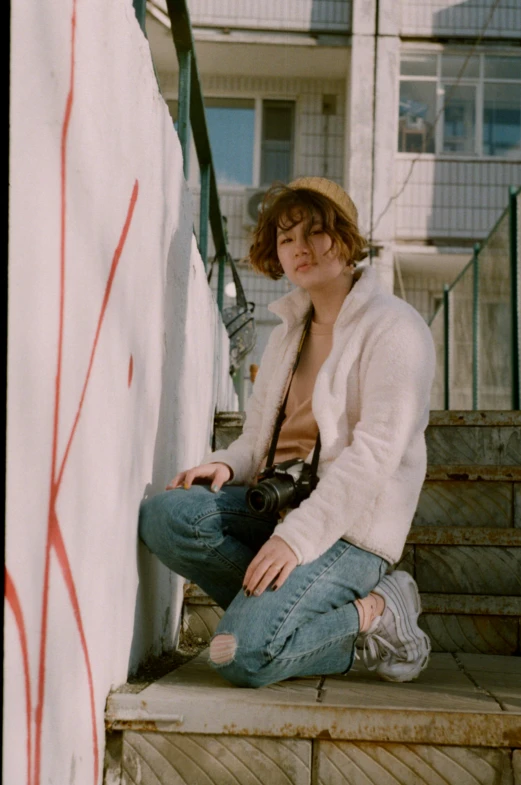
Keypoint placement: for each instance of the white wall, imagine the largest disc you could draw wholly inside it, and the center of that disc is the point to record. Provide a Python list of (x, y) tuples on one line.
[(116, 361)]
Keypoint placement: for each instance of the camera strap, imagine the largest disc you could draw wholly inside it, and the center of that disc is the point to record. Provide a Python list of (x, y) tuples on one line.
[(282, 412)]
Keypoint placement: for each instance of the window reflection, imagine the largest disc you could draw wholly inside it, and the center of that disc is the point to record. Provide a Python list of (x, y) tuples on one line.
[(417, 112), (502, 120), (277, 141), (459, 125), (474, 102), (231, 125), (503, 68), (418, 65)]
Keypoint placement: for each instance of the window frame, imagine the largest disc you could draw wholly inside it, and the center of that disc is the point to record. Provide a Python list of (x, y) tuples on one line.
[(193, 170), (478, 82)]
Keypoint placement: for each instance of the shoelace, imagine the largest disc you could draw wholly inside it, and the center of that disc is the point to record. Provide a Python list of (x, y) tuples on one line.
[(375, 647)]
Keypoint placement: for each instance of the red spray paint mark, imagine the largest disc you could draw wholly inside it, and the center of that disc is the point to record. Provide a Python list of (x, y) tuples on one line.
[(12, 598), (130, 370), (54, 535)]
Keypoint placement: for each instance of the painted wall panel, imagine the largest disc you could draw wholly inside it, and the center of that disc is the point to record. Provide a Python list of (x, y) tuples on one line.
[(112, 380)]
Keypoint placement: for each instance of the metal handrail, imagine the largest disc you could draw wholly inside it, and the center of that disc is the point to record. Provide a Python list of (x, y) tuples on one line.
[(511, 213), (191, 115)]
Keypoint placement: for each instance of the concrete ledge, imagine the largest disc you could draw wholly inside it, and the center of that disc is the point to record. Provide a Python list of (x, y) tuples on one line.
[(462, 700)]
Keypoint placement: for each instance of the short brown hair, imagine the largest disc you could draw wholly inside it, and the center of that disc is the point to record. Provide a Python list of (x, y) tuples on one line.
[(285, 207)]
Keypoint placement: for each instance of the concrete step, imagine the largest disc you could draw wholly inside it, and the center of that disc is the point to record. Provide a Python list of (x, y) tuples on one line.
[(459, 723)]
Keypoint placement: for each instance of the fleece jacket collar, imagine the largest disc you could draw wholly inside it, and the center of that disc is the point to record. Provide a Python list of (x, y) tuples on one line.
[(293, 307)]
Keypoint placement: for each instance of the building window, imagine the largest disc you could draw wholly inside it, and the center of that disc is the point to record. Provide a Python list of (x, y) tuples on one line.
[(231, 127), (445, 111), (277, 141), (252, 140)]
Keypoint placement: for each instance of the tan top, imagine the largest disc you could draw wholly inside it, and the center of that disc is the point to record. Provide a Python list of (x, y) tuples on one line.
[(299, 430)]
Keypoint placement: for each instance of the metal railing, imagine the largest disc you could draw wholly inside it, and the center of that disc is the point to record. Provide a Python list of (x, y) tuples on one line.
[(476, 328), (191, 117)]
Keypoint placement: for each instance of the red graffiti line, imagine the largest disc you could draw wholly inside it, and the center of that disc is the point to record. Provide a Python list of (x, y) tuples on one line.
[(54, 535), (55, 538), (61, 553), (108, 288), (12, 598), (52, 494)]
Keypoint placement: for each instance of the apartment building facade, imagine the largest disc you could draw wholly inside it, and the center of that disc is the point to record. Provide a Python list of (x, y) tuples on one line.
[(413, 106)]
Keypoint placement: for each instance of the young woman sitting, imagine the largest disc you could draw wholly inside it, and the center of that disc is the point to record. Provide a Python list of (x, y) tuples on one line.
[(345, 379)]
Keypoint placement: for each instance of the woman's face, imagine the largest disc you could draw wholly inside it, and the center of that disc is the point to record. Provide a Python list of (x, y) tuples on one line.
[(309, 262)]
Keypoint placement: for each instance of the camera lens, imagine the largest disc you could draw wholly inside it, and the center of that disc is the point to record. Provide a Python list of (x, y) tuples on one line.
[(271, 495), (262, 499)]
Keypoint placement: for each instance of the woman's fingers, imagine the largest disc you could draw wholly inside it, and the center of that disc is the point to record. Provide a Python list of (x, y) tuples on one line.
[(283, 575), (272, 564), (215, 473), (221, 475), (270, 576), (193, 474), (262, 576), (176, 482), (255, 570)]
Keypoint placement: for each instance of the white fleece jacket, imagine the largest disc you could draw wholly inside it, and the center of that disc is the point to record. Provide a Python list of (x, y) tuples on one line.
[(371, 402)]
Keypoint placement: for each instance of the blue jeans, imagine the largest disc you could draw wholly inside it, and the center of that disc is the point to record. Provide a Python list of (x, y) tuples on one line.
[(306, 627)]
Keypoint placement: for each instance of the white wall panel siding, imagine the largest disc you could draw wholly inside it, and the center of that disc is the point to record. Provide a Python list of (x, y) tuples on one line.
[(324, 15), (431, 18), (117, 361), (451, 198)]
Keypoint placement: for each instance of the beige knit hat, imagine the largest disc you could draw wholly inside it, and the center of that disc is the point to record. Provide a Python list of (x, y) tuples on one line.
[(330, 189)]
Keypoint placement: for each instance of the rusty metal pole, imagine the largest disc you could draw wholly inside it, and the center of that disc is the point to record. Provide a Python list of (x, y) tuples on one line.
[(183, 124), (475, 328), (446, 347), (515, 297)]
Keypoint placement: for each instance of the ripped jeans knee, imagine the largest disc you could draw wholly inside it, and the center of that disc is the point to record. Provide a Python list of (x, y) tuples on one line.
[(222, 649)]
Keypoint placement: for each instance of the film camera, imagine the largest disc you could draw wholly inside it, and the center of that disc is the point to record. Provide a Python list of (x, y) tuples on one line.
[(283, 485)]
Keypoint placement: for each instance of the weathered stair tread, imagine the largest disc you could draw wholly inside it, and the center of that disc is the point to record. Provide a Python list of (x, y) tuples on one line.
[(460, 699)]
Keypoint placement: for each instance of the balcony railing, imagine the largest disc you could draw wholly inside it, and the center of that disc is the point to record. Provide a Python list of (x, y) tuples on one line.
[(476, 328), (191, 117)]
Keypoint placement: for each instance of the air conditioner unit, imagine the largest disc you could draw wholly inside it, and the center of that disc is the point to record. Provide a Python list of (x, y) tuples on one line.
[(252, 201)]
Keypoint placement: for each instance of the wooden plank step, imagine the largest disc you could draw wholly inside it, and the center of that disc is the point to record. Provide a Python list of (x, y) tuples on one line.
[(449, 502), (459, 472), (471, 535)]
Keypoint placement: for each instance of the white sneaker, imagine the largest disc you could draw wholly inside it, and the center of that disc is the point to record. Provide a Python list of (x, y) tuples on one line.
[(394, 645)]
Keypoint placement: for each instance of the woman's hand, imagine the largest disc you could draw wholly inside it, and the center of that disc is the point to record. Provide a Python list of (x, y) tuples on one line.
[(214, 473), (272, 565)]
